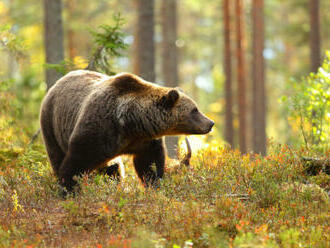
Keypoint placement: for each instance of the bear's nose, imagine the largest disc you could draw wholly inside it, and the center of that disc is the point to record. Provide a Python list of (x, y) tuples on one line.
[(210, 126)]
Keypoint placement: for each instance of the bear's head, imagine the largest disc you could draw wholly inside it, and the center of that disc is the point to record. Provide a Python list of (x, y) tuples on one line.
[(155, 110), (187, 119)]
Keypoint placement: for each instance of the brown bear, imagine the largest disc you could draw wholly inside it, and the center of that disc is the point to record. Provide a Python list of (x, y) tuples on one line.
[(88, 118)]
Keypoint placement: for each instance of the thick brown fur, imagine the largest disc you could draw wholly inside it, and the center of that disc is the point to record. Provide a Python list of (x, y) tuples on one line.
[(88, 118)]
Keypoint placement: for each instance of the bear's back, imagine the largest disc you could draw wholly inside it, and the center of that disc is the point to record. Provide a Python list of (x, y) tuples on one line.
[(64, 101)]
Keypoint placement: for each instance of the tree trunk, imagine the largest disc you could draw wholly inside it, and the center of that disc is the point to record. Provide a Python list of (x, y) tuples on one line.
[(315, 45), (241, 75), (258, 80), (315, 40), (71, 46), (12, 64), (144, 47), (53, 38), (229, 131), (169, 58)]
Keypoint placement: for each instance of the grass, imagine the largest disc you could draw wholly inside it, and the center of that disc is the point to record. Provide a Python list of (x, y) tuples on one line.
[(224, 199)]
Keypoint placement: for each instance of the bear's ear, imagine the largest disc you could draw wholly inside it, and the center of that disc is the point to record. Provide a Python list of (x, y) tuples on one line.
[(169, 100)]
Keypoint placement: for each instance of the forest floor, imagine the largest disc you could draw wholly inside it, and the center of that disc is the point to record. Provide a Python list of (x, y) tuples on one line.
[(224, 199)]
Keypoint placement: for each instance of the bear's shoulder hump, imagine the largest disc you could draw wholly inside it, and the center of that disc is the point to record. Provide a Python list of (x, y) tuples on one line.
[(128, 83)]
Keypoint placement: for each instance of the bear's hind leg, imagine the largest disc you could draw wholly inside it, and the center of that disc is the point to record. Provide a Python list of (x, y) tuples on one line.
[(55, 153), (115, 169), (112, 171), (151, 153)]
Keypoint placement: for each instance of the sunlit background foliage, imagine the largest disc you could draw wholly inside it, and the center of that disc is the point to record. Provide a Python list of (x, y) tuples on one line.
[(200, 45)]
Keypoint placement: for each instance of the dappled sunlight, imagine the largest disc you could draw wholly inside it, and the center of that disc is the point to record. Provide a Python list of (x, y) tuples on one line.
[(80, 62), (200, 142)]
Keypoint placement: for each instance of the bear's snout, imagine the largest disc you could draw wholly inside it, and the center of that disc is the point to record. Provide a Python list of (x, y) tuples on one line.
[(201, 124), (208, 126)]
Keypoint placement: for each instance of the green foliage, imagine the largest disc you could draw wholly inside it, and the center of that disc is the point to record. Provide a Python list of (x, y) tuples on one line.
[(64, 67), (19, 98), (72, 207), (310, 107), (19, 106), (108, 44), (8, 123), (11, 42), (252, 240), (9, 144)]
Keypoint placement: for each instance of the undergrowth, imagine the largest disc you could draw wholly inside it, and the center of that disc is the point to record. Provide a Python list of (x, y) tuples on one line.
[(224, 199)]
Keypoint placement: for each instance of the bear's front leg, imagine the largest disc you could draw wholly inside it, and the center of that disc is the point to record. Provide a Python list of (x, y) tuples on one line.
[(70, 167), (80, 158), (151, 153)]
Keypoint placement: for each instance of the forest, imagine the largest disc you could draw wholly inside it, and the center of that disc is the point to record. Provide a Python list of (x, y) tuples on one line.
[(260, 70)]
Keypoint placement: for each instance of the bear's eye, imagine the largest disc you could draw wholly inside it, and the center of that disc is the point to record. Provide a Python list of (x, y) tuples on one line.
[(194, 111)]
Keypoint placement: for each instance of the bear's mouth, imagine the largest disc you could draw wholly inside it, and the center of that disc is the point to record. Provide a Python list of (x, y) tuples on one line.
[(205, 131), (210, 127), (192, 128)]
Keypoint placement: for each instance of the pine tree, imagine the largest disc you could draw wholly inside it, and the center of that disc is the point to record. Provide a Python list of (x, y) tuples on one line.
[(229, 132), (258, 80), (169, 58), (241, 75), (144, 47), (315, 40), (53, 38)]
